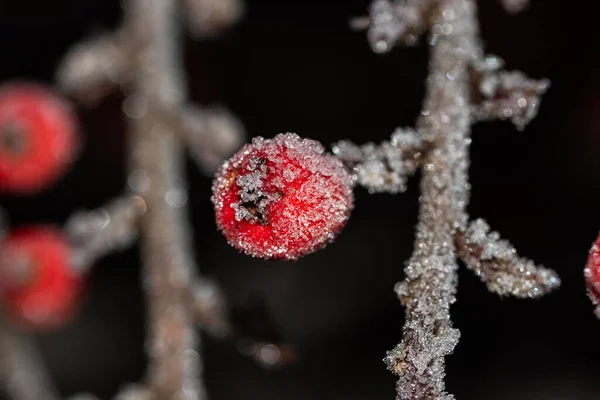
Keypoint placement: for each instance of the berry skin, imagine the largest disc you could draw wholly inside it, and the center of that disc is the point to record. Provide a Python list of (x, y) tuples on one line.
[(38, 138), (38, 289), (282, 198)]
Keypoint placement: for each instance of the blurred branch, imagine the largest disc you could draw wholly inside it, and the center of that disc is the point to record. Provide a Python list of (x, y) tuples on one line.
[(209, 17), (93, 234), (21, 371)]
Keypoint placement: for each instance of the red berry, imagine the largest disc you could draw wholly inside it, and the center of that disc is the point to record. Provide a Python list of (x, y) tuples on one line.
[(38, 137), (592, 273), (38, 288), (282, 198)]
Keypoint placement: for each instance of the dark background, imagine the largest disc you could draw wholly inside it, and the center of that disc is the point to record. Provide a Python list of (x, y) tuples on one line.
[(295, 66)]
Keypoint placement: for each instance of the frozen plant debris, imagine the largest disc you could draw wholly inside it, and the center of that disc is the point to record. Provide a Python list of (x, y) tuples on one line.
[(282, 197)]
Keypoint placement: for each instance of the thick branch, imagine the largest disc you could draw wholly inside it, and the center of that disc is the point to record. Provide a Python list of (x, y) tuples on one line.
[(157, 158), (431, 273)]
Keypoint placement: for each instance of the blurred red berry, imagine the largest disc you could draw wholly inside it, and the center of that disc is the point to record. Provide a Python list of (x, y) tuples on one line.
[(38, 288), (592, 272), (38, 137), (282, 198)]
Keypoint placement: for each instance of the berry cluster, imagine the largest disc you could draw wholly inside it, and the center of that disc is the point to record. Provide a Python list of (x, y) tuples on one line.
[(282, 197), (39, 290)]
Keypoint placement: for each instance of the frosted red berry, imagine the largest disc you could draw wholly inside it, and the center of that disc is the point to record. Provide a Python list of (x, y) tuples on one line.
[(38, 137), (282, 197), (38, 288), (592, 273)]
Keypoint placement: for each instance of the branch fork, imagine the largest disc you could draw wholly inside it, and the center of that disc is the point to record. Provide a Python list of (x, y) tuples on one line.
[(463, 87)]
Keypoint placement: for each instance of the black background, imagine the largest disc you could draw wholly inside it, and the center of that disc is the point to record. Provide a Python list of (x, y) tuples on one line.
[(295, 66)]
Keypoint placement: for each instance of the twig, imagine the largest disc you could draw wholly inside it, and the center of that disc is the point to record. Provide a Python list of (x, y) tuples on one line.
[(21, 371)]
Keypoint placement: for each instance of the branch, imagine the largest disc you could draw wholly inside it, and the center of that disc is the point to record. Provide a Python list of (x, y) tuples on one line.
[(384, 167), (156, 155), (21, 372), (497, 264), (394, 22), (504, 95), (94, 234), (97, 66), (451, 107), (209, 17)]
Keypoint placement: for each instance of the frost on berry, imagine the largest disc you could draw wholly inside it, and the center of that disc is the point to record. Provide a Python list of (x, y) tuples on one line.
[(592, 275), (38, 137), (38, 288), (282, 197)]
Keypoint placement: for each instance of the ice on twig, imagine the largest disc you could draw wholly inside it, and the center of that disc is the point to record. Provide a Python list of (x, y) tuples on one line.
[(497, 263), (96, 233), (505, 94), (393, 22), (94, 67), (384, 167)]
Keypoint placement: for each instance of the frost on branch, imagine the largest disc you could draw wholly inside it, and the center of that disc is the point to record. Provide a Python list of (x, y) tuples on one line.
[(92, 68), (384, 167), (503, 94), (94, 234), (211, 135), (209, 17), (497, 263), (394, 22)]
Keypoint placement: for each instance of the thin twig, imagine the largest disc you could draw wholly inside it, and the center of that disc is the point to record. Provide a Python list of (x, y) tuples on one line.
[(21, 371)]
